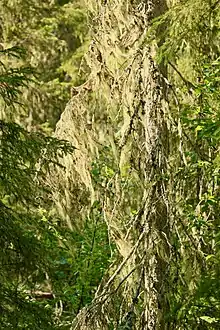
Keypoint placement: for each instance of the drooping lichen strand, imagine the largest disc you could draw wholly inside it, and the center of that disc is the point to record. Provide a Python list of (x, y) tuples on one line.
[(124, 111), (132, 140)]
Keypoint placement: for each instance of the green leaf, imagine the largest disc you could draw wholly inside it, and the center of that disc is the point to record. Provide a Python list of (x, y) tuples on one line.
[(208, 319), (210, 256)]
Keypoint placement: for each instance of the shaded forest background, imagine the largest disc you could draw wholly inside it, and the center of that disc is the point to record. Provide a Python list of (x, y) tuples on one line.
[(109, 164)]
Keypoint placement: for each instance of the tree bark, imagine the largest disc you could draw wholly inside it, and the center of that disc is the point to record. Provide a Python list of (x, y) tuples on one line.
[(129, 117)]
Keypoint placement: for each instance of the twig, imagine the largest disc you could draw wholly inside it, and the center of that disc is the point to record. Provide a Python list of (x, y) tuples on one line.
[(186, 82)]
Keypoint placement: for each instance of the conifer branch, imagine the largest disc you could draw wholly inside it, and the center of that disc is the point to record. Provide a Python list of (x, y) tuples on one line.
[(186, 82)]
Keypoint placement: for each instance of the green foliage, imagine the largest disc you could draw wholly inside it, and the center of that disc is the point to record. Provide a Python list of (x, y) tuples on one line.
[(37, 250), (38, 253), (27, 245), (12, 79), (79, 273), (26, 157), (203, 115), (189, 46), (54, 35), (188, 29)]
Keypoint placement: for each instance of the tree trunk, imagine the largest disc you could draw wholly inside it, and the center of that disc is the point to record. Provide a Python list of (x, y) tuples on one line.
[(126, 109)]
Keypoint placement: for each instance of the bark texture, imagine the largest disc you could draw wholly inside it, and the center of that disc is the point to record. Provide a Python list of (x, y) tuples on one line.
[(122, 112)]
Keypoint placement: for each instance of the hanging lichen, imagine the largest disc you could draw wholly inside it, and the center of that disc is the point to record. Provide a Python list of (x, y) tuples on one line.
[(125, 122)]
